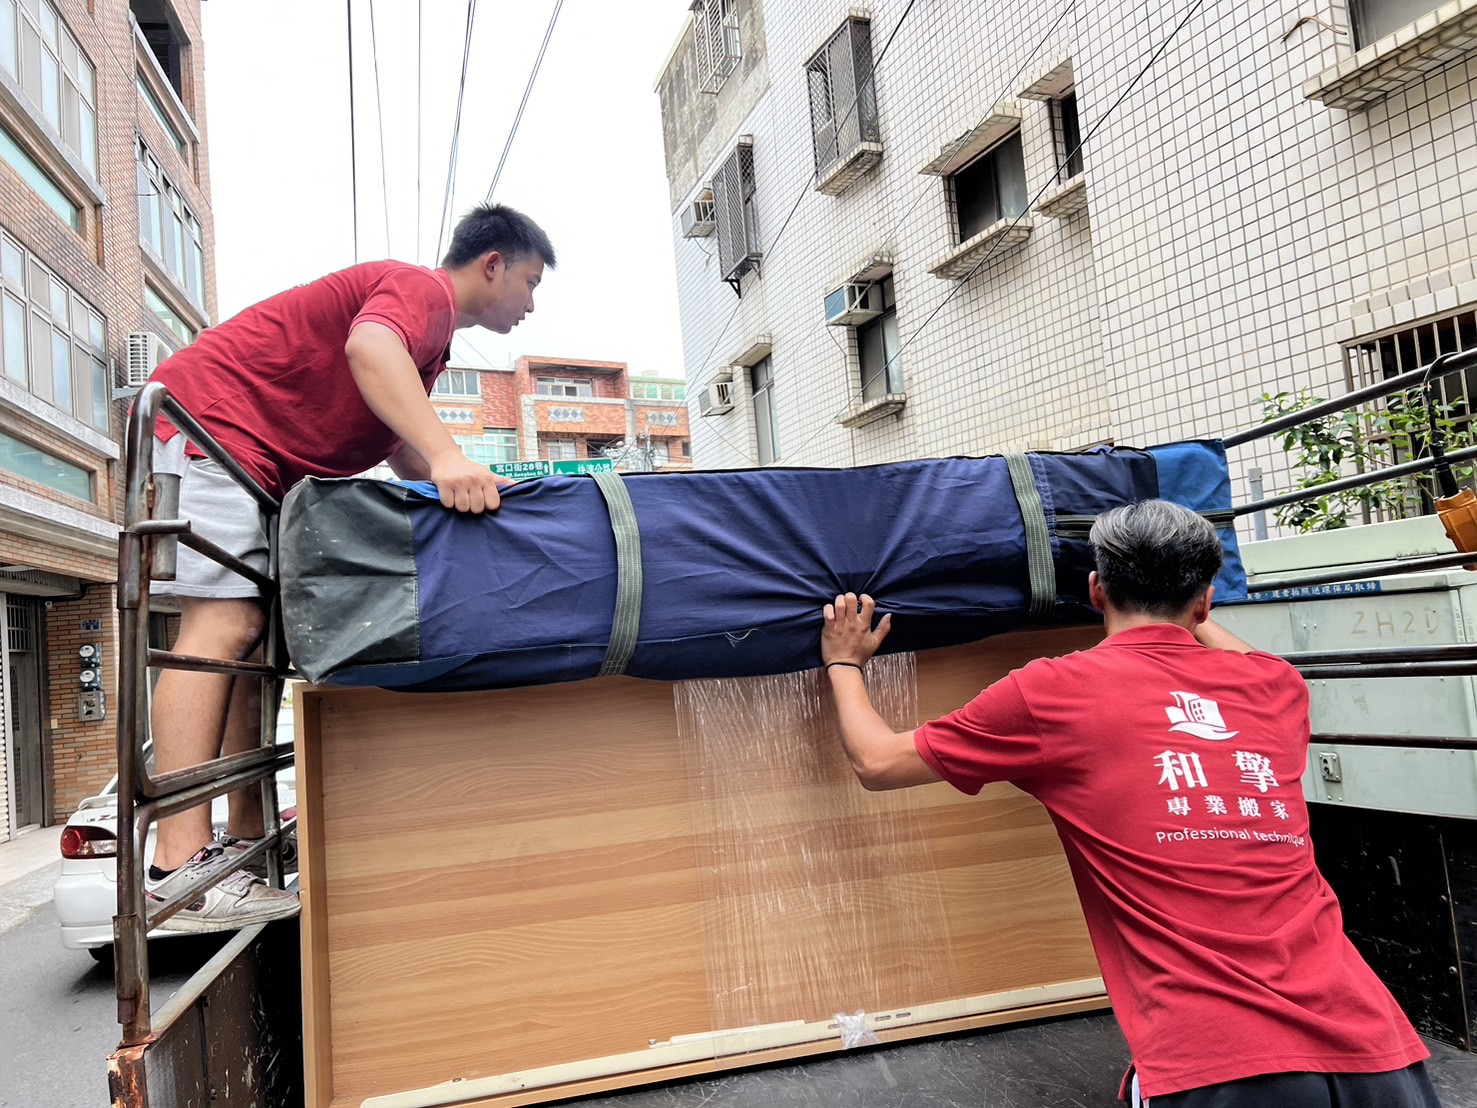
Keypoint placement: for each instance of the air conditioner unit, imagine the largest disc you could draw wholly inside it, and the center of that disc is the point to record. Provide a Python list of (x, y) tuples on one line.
[(852, 304), (697, 217), (145, 351), (716, 399)]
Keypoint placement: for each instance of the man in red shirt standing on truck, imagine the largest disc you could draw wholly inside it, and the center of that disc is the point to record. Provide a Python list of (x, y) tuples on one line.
[(1170, 758), (327, 379)]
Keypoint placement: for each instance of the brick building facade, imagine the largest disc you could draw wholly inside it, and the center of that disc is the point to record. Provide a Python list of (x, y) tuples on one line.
[(566, 409), (105, 232), (927, 268)]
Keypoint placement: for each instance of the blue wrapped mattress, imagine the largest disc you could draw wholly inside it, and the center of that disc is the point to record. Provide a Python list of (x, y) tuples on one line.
[(727, 573)]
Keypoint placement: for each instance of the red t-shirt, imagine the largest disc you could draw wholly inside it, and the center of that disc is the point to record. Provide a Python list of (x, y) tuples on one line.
[(273, 384), (1173, 775)]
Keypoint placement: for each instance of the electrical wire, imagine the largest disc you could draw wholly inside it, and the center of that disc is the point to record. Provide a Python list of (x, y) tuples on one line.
[(379, 111), (419, 36), (353, 137), (1082, 142), (804, 191), (456, 129), (527, 89)]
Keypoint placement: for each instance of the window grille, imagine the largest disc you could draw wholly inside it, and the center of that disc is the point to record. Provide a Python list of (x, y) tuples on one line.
[(843, 96), (1380, 357), (736, 216), (715, 41), (21, 614)]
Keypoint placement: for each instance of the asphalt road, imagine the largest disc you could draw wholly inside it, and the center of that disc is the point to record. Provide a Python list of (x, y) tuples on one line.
[(58, 1026), (58, 1013)]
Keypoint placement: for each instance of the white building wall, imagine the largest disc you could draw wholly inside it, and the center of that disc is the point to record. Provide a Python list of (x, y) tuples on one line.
[(1237, 233)]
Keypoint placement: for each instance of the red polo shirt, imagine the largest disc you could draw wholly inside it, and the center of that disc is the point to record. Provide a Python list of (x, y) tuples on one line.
[(1173, 775), (273, 384)]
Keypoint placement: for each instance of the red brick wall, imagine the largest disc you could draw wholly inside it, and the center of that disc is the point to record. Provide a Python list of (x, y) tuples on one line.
[(83, 756), (105, 265)]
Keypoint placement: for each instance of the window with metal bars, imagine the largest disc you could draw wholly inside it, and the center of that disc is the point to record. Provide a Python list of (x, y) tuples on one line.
[(715, 40), (1387, 355), (843, 95), (20, 615), (736, 214)]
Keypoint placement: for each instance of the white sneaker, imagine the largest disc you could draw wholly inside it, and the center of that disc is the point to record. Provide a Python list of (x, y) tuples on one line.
[(239, 900), (235, 847)]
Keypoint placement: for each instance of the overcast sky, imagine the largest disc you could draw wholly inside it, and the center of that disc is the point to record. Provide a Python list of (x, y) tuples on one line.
[(586, 162)]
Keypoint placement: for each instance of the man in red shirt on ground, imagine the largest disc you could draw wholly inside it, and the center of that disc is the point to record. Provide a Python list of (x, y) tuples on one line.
[(326, 379), (1170, 758)]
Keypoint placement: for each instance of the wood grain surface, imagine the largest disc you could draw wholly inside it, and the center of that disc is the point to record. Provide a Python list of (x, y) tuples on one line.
[(500, 881)]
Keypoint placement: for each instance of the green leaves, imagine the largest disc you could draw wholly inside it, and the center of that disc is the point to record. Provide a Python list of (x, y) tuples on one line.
[(1363, 440)]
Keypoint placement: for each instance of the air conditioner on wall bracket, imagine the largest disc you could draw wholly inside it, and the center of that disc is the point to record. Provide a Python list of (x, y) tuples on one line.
[(716, 398), (145, 351), (697, 217), (852, 304)]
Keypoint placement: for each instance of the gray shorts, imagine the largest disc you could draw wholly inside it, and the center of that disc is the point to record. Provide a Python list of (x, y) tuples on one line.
[(219, 510)]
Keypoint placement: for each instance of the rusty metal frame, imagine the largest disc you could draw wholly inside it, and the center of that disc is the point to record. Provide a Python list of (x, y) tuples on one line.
[(142, 797)]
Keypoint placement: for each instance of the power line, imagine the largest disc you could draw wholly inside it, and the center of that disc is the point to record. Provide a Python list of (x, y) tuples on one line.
[(962, 281), (353, 138), (419, 35), (527, 89), (456, 129), (805, 189), (379, 111)]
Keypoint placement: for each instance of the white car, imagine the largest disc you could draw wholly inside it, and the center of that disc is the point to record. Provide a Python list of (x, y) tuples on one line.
[(86, 893)]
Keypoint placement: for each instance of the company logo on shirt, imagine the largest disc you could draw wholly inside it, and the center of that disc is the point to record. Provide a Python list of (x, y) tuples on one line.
[(1195, 715)]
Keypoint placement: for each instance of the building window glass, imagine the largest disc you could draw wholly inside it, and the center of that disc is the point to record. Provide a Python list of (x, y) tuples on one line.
[(1374, 19), (565, 386), (458, 382), (560, 450), (766, 425), (40, 53), (490, 447), (1068, 136), (168, 316), (160, 115), (55, 343), (877, 349), (16, 157), (991, 188), (35, 464), (168, 229), (658, 390)]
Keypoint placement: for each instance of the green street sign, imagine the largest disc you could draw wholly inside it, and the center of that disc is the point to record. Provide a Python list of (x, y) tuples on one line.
[(524, 471)]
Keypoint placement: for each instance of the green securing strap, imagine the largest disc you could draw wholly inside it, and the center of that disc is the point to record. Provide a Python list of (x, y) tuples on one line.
[(626, 624), (1038, 536)]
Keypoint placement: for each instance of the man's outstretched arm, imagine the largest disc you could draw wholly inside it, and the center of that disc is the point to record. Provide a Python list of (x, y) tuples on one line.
[(881, 757)]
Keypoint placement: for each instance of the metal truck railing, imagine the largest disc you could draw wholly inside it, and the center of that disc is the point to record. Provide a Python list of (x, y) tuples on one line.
[(146, 549), (1453, 660)]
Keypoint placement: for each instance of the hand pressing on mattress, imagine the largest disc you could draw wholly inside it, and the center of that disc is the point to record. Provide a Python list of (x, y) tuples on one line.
[(848, 637)]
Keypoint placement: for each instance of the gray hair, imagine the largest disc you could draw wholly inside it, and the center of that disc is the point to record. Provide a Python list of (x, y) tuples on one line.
[(1155, 556)]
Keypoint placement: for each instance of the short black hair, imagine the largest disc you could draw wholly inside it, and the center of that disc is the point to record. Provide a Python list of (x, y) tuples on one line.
[(489, 227), (1155, 556)]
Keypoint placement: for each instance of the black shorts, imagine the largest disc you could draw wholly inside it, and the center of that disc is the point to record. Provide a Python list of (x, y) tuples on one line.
[(1407, 1088)]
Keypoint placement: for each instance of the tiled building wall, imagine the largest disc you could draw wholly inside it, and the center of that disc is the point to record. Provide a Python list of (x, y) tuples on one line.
[(1237, 233)]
